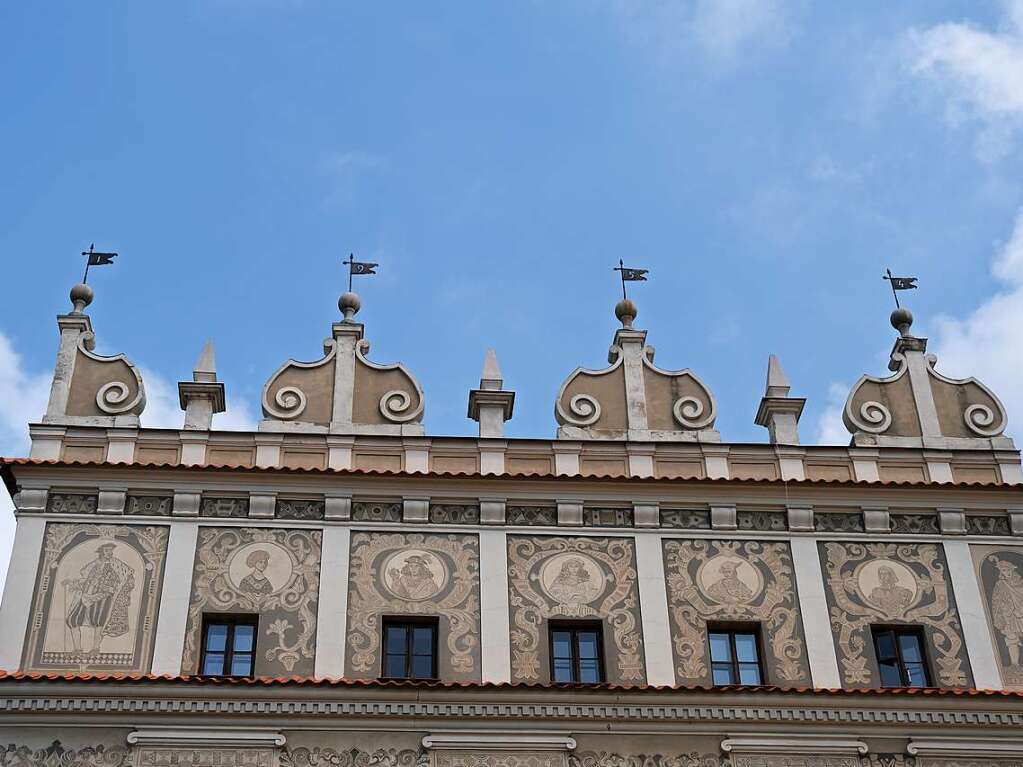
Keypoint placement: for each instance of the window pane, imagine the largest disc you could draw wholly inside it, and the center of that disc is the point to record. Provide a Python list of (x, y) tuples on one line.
[(562, 641), (562, 671), (917, 675), (588, 672), (422, 640), (910, 646), (890, 676), (588, 644), (749, 673), (885, 644), (243, 636), (394, 666), (396, 639), (216, 637), (422, 667), (214, 664), (241, 665), (746, 648), (722, 674), (719, 648)]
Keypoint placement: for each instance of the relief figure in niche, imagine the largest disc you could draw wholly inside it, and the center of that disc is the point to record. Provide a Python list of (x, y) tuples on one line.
[(1007, 606), (100, 599), (411, 575), (256, 581)]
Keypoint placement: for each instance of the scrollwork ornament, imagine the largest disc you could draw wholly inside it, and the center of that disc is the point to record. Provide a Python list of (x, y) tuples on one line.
[(876, 418), (396, 406), (980, 419), (291, 403), (583, 410), (56, 755), (687, 411), (112, 398)]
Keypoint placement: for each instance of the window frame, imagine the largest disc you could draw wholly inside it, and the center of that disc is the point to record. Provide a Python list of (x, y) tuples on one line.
[(232, 621), (575, 627), (410, 623), (897, 630), (732, 628)]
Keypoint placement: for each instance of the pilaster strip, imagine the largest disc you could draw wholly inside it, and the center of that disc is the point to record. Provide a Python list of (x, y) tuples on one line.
[(813, 606), (494, 625), (653, 599), (332, 610), (16, 608), (969, 602), (177, 587)]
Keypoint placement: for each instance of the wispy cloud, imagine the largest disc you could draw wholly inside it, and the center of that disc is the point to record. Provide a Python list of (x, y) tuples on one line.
[(830, 429), (720, 30), (979, 71)]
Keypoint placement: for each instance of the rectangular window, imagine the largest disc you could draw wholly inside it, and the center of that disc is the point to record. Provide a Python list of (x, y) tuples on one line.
[(735, 654), (229, 645), (410, 648), (577, 652), (900, 656)]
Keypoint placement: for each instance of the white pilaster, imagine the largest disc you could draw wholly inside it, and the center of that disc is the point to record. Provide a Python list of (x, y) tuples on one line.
[(813, 605), (653, 599), (865, 464), (332, 610), (339, 451), (177, 587), (16, 608), (971, 615), (494, 626)]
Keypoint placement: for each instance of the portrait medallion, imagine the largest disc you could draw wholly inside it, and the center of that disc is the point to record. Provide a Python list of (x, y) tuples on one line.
[(729, 580), (260, 568), (572, 579), (414, 574), (887, 585)]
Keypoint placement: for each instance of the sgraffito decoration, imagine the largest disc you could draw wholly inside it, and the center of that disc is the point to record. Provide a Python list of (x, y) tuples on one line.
[(209, 756), (605, 759), (353, 757), (1001, 581), (415, 574), (274, 573), (96, 598), (56, 755), (734, 581), (888, 583), (574, 578)]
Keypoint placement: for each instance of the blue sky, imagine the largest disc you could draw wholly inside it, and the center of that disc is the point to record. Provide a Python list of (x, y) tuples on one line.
[(765, 159)]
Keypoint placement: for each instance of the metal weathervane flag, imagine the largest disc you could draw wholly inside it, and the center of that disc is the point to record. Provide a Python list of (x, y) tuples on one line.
[(95, 258), (899, 283), (630, 275), (358, 267)]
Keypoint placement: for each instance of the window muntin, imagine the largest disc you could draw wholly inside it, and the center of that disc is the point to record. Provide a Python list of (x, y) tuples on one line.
[(229, 645), (900, 656), (735, 655), (576, 652), (410, 649)]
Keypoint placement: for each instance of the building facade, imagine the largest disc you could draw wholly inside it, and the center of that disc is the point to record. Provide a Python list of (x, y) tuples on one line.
[(339, 588)]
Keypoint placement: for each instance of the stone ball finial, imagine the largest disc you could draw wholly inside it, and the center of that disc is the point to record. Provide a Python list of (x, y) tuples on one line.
[(81, 296), (349, 304), (902, 320), (626, 312)]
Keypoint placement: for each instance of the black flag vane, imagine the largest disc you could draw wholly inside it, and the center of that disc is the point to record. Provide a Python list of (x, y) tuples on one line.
[(899, 283), (95, 258), (358, 267), (629, 275)]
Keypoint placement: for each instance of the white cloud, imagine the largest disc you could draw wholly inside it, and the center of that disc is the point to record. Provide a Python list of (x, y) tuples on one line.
[(719, 29), (830, 429), (979, 71), (987, 344)]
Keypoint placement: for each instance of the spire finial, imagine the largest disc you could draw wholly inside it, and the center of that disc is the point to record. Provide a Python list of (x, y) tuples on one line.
[(777, 382), (901, 318), (625, 310), (81, 296), (349, 303), (491, 378), (206, 367)]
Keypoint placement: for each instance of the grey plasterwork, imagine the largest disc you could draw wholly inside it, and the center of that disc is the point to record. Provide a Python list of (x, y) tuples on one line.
[(272, 572), (149, 505), (1001, 584), (486, 758), (204, 756), (70, 503), (686, 519), (802, 760), (886, 583), (57, 755), (772, 521), (734, 581), (542, 516), (353, 757), (838, 522), (454, 514), (607, 517), (979, 524), (225, 507), (299, 509), (610, 759), (414, 574), (918, 524), (96, 598), (574, 578), (364, 511)]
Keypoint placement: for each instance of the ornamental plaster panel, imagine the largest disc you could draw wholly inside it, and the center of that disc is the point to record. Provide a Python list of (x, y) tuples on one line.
[(206, 756), (57, 755), (484, 758), (1001, 587), (415, 574), (734, 581), (96, 598), (353, 757), (273, 573), (886, 583), (555, 577)]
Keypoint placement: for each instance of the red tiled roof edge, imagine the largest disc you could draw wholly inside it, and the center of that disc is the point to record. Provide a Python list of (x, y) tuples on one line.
[(300, 681)]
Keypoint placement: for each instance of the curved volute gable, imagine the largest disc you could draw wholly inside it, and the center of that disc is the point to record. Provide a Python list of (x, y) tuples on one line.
[(919, 407), (343, 393), (89, 388), (634, 399)]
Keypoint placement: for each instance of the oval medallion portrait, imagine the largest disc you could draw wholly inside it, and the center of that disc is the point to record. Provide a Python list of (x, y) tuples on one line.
[(571, 578), (887, 585), (414, 574), (729, 580), (260, 568)]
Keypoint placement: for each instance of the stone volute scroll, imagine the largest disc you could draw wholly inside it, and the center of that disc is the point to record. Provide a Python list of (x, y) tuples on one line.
[(90, 389), (633, 399), (343, 393), (919, 407)]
